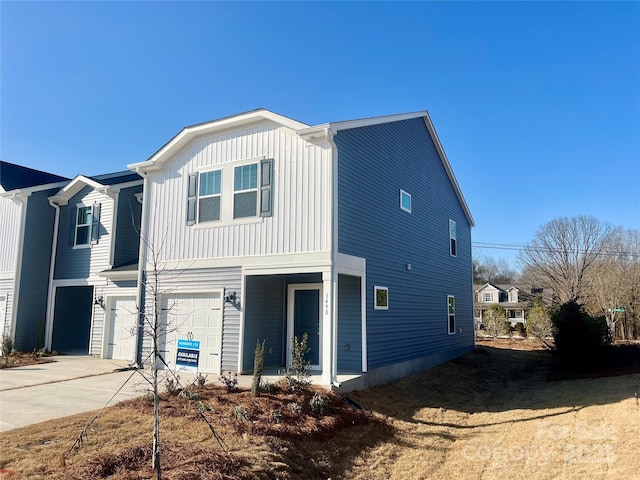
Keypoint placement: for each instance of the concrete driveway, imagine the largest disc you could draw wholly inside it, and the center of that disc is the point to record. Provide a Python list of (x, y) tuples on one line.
[(70, 385)]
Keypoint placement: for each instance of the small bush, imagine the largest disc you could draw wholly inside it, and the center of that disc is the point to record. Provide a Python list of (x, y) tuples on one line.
[(539, 325), (189, 394), (295, 408), (579, 336), (268, 387), (521, 330), (172, 384), (199, 381), (494, 320), (319, 404), (7, 345), (240, 413), (276, 416), (297, 376), (229, 380)]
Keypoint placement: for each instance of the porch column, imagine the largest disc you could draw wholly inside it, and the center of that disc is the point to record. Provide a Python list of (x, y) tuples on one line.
[(328, 343)]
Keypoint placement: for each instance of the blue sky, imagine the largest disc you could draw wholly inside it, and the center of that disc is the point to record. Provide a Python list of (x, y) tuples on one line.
[(536, 104)]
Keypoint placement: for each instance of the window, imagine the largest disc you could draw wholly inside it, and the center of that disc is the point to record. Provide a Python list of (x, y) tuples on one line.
[(209, 196), (405, 201), (381, 298), (488, 297), (452, 238), (245, 191), (451, 306), (251, 190), (85, 225)]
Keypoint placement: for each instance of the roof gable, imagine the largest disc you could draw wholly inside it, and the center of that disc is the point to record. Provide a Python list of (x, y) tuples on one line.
[(100, 183)]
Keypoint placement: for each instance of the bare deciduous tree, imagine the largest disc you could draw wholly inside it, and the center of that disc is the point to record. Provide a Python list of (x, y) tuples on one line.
[(488, 270), (562, 255)]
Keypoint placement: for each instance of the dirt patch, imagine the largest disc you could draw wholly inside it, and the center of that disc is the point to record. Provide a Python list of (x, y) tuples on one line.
[(21, 359)]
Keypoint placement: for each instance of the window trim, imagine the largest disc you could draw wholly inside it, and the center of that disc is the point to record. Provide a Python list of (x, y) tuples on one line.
[(77, 225), (487, 294), (453, 238), (377, 288), (450, 315), (199, 196), (404, 193), (255, 189)]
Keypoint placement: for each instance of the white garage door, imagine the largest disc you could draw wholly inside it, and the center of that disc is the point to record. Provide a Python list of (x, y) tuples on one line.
[(122, 328), (195, 317)]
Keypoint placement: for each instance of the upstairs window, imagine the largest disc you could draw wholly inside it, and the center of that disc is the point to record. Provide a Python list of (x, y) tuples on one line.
[(405, 201), (209, 196), (488, 297), (452, 239), (451, 307), (245, 191), (86, 225)]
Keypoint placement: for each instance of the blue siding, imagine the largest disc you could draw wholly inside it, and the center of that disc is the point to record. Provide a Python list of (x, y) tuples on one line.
[(349, 324), (374, 163), (264, 319), (127, 240), (34, 277)]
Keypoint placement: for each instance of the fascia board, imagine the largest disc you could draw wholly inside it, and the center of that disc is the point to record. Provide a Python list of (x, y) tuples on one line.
[(157, 160), (449, 170), (30, 190), (73, 187), (366, 122)]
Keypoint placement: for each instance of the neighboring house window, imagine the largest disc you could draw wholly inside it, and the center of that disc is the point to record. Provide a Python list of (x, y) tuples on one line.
[(452, 238), (86, 227), (451, 306), (405, 201), (488, 297), (209, 196), (381, 298)]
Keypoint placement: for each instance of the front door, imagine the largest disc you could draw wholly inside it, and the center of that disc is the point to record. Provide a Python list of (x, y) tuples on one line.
[(304, 317), (123, 321)]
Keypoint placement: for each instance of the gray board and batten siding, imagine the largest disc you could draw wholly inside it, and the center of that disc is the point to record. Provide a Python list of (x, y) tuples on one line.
[(374, 164), (34, 276)]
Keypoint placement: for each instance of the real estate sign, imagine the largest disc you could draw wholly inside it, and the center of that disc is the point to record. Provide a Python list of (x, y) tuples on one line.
[(188, 355)]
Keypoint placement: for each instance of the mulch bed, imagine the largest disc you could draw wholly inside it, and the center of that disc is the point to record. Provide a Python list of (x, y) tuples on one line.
[(21, 359)]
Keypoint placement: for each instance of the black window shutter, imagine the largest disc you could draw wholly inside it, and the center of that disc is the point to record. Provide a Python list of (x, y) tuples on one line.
[(192, 198), (95, 223), (73, 214), (266, 188)]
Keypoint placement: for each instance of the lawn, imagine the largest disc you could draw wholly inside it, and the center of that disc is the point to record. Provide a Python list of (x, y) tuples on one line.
[(490, 414)]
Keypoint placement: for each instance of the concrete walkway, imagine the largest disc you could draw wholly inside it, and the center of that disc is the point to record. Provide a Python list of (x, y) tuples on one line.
[(70, 385)]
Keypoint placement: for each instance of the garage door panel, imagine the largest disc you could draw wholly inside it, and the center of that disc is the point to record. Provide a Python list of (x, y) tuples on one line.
[(194, 317)]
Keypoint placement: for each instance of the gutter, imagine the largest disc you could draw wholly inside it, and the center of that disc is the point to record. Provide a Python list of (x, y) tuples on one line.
[(52, 265)]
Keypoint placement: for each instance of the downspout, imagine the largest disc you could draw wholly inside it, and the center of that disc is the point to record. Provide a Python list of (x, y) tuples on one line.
[(329, 134), (18, 196), (142, 261), (52, 267)]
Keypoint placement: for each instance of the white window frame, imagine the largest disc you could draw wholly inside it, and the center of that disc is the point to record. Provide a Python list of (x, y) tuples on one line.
[(255, 189), (200, 196), (79, 225), (488, 297), (453, 238), (405, 194), (377, 288), (451, 315)]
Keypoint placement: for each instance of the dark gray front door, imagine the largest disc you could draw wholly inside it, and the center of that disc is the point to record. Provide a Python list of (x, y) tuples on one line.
[(306, 319)]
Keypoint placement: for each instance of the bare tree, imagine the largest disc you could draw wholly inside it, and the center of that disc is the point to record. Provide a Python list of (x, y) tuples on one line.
[(488, 270), (562, 255)]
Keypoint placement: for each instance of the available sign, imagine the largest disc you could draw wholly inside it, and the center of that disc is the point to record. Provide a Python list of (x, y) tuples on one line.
[(188, 355)]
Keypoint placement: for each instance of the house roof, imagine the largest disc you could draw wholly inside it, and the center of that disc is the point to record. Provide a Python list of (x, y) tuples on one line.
[(164, 154), (108, 182), (14, 177)]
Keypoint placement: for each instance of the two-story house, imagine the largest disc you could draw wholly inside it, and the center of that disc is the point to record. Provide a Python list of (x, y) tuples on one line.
[(93, 270), (26, 232), (356, 233), (517, 300)]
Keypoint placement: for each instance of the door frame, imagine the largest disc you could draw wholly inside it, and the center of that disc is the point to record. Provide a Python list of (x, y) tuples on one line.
[(291, 298), (110, 301)]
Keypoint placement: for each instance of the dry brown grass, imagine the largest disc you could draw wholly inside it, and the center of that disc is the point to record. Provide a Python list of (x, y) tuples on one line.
[(490, 415)]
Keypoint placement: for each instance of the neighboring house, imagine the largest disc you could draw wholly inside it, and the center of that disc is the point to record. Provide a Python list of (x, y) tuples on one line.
[(93, 273), (517, 300), (26, 232), (264, 228)]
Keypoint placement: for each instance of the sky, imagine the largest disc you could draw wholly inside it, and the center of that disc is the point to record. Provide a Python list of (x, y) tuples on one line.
[(537, 105)]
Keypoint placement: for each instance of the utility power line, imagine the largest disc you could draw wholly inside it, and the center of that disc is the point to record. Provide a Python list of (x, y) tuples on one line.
[(521, 247)]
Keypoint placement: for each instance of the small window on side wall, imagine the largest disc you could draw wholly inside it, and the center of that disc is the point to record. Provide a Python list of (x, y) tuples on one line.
[(453, 240), (381, 298), (405, 201), (451, 307)]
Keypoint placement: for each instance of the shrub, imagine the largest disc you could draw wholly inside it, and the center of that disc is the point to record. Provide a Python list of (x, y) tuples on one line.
[(319, 404), (172, 384), (276, 416), (297, 376), (258, 364), (199, 381), (240, 413), (520, 329), (579, 336), (495, 321), (295, 408), (7, 345), (539, 325), (229, 380)]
